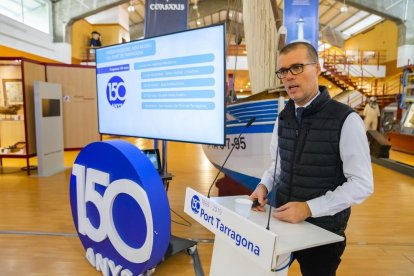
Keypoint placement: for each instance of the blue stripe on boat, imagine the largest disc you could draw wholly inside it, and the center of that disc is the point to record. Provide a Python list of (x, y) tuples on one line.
[(254, 104), (268, 119), (267, 128)]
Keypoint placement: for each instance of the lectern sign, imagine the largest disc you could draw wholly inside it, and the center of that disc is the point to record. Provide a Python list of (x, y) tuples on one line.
[(120, 208), (250, 240)]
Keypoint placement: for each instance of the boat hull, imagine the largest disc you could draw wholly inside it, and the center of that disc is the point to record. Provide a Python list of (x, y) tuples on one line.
[(251, 154)]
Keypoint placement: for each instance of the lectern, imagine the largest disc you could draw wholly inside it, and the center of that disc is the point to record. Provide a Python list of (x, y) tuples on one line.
[(243, 246)]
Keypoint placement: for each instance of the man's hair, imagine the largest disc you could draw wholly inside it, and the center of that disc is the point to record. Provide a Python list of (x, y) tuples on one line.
[(312, 53)]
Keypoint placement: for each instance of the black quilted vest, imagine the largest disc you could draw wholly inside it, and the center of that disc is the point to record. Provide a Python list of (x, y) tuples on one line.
[(309, 154)]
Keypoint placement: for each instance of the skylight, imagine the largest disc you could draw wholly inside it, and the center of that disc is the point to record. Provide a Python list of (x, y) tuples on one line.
[(352, 20), (362, 25), (34, 13)]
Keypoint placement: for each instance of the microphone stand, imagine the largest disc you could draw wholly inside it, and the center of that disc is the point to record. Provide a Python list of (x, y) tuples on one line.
[(273, 188), (232, 148)]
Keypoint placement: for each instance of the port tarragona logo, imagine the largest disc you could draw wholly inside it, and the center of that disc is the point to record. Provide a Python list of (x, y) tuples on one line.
[(116, 92), (195, 204), (120, 208)]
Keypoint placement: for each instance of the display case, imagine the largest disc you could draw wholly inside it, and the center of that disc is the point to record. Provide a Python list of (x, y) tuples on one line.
[(407, 121), (12, 138), (17, 126), (17, 120), (409, 88)]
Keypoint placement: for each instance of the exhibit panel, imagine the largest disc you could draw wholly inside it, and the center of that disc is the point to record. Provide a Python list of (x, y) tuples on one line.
[(48, 116), (80, 116)]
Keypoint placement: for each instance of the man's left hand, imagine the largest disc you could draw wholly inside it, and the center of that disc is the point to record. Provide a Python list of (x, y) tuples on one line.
[(293, 212)]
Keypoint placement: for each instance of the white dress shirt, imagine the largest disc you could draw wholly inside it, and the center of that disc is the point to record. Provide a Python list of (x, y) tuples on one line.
[(355, 156)]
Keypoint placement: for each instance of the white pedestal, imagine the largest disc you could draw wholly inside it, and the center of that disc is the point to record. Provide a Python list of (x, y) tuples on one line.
[(49, 127)]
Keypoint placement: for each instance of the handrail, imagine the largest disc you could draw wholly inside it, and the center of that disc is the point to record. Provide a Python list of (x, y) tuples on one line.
[(389, 85), (347, 66), (90, 53), (385, 89), (343, 62)]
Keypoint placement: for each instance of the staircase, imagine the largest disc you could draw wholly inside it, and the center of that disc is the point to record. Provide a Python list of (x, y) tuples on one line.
[(358, 100), (352, 98), (352, 70), (339, 79), (357, 78)]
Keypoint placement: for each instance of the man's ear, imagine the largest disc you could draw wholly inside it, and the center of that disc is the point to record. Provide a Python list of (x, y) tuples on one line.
[(318, 68)]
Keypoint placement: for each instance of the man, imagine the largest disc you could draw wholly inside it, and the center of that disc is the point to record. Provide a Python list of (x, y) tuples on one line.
[(95, 41), (323, 163), (371, 114)]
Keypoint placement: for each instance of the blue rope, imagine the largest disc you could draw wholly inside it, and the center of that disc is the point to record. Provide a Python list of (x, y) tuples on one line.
[(287, 265)]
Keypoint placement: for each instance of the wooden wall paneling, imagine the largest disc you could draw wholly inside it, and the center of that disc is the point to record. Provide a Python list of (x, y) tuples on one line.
[(31, 72), (80, 115)]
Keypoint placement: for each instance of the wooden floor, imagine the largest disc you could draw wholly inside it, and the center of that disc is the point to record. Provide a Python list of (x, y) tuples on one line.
[(37, 235)]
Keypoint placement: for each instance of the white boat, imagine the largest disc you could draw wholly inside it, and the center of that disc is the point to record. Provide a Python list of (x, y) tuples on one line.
[(251, 154)]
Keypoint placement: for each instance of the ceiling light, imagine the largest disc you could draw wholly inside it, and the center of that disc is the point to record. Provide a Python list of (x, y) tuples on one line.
[(344, 8), (131, 8), (195, 6)]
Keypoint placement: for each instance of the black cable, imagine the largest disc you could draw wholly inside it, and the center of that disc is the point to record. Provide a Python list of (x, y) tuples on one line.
[(187, 224)]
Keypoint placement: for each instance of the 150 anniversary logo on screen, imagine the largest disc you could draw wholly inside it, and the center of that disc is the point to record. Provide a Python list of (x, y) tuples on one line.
[(116, 92)]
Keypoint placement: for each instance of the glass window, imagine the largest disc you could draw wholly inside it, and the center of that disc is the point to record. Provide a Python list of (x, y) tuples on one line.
[(409, 119), (34, 13), (12, 9)]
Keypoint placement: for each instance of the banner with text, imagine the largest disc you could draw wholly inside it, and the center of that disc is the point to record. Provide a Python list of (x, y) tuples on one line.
[(165, 16)]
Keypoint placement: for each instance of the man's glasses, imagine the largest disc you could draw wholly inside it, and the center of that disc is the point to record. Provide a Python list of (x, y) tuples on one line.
[(295, 69)]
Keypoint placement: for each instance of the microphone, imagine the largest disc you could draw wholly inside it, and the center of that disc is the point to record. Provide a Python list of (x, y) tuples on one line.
[(273, 188), (249, 123)]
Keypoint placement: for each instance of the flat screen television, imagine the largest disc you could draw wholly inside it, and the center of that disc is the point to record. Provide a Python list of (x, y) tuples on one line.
[(170, 87), (50, 107), (154, 156)]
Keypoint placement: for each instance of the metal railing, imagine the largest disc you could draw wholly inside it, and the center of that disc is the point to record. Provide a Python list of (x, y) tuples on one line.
[(349, 68)]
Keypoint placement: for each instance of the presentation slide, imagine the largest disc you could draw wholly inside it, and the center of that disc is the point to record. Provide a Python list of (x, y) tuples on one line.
[(170, 87)]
